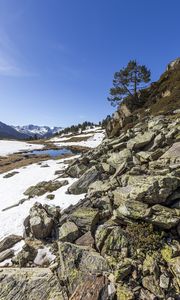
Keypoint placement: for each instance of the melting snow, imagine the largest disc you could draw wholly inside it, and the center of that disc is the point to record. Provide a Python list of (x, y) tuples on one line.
[(10, 147)]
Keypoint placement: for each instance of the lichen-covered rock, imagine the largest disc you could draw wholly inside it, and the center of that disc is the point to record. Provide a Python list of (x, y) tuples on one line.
[(101, 234), (86, 240), (152, 285), (117, 158), (92, 289), (78, 262), (158, 215), (150, 265), (76, 170), (164, 217), (31, 284), (172, 152), (85, 218), (148, 189), (81, 185), (115, 243), (140, 140), (124, 293), (68, 232), (43, 187), (132, 209), (99, 186), (41, 224)]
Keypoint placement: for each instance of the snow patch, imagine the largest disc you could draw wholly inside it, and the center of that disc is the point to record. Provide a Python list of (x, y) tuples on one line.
[(10, 147)]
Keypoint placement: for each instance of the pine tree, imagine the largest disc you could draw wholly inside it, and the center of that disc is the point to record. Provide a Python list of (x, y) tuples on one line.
[(128, 81)]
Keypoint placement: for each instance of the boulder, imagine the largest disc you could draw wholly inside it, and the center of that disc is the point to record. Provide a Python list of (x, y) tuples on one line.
[(172, 152), (81, 185), (43, 187), (78, 262), (9, 241), (150, 265), (85, 218), (92, 289), (148, 189), (117, 158), (76, 170), (68, 232), (132, 209), (115, 243), (102, 233), (86, 240), (159, 215), (41, 224), (99, 186), (163, 216), (140, 140), (152, 285), (30, 283)]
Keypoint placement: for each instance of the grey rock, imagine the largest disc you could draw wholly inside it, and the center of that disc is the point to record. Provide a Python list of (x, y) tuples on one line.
[(41, 224), (82, 184), (43, 187), (68, 232), (34, 283), (85, 218)]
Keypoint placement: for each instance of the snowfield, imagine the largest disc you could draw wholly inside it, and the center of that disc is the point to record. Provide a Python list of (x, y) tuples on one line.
[(10, 147), (12, 189), (92, 142)]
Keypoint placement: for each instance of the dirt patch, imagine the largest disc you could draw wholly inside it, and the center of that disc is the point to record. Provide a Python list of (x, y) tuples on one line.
[(16, 161)]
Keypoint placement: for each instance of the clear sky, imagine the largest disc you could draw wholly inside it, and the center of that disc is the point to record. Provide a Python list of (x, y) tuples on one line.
[(57, 57)]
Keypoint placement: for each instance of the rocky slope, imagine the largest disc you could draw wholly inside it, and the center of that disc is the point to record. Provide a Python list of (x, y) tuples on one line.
[(121, 242)]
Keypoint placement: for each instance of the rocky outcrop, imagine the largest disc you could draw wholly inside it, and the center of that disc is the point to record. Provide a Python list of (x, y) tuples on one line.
[(35, 283), (43, 187), (81, 185), (41, 220)]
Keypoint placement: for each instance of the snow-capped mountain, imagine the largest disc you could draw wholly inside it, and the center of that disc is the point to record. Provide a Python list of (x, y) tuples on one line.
[(8, 132), (39, 131)]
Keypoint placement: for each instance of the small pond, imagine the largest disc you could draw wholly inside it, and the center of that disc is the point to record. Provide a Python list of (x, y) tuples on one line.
[(51, 152)]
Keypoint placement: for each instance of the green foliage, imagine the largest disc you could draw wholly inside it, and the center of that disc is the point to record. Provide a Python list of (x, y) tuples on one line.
[(128, 81), (76, 128), (143, 237), (105, 121)]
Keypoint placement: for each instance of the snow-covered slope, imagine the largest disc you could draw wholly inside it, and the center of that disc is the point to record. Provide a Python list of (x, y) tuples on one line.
[(39, 131), (12, 189), (10, 147)]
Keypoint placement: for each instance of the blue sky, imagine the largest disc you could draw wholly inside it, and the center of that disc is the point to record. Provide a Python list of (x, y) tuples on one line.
[(58, 57)]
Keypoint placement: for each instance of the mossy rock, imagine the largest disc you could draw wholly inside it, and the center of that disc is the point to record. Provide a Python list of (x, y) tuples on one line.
[(124, 293), (85, 218)]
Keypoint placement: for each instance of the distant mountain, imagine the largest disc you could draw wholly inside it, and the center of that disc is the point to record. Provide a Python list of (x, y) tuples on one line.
[(39, 131), (9, 132)]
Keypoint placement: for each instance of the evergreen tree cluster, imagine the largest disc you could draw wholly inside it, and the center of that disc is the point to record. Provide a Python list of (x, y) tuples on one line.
[(76, 128)]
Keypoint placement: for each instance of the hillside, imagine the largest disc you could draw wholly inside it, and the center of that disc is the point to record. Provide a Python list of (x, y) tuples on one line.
[(162, 97), (104, 225), (8, 132)]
